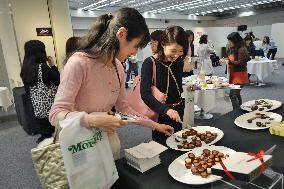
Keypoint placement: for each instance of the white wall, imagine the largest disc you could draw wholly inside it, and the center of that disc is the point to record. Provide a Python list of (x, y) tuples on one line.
[(9, 45), (29, 15), (260, 31), (218, 36), (61, 27), (278, 37)]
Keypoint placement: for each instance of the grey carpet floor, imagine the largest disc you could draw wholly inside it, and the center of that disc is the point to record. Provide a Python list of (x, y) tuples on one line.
[(16, 169)]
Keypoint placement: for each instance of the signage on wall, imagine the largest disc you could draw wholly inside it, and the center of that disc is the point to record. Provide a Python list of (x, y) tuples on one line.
[(44, 31), (198, 35), (232, 24)]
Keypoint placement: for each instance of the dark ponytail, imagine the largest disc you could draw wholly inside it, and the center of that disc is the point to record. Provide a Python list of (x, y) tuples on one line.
[(95, 33), (101, 41)]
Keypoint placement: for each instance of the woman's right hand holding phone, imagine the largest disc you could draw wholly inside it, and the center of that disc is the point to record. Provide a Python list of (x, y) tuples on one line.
[(107, 123), (223, 61)]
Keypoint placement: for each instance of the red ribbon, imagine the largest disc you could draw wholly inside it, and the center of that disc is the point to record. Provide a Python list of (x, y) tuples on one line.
[(227, 172), (259, 156)]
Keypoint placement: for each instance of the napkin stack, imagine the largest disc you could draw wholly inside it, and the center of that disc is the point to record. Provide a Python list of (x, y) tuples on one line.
[(144, 156)]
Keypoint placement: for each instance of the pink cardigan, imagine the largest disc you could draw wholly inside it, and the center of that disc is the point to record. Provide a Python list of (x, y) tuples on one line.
[(89, 85)]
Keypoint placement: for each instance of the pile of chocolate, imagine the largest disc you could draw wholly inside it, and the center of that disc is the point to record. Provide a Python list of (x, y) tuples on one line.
[(196, 139), (260, 116), (209, 81), (200, 165), (261, 104)]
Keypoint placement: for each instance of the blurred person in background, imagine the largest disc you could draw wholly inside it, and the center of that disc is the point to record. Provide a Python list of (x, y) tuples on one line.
[(237, 62), (204, 51), (35, 58)]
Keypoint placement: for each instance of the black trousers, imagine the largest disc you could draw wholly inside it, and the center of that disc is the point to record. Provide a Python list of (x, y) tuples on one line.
[(132, 67), (236, 99), (259, 53), (271, 52), (164, 119)]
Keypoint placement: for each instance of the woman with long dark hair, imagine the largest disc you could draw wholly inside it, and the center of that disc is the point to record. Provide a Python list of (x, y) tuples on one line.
[(188, 67), (238, 58), (35, 56), (93, 77), (172, 49), (265, 45)]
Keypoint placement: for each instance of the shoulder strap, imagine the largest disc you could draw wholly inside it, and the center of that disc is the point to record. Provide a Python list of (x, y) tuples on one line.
[(154, 71), (39, 79)]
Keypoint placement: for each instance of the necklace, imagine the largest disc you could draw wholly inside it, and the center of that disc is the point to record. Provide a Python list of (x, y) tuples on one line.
[(170, 72)]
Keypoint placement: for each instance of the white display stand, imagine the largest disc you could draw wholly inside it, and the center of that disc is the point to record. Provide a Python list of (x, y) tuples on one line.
[(268, 180)]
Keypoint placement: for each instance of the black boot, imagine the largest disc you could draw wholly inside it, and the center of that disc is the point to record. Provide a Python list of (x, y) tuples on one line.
[(42, 137)]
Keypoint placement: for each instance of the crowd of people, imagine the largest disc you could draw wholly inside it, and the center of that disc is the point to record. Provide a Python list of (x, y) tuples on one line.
[(93, 77)]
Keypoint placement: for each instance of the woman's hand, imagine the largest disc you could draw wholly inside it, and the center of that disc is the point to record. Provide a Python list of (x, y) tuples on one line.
[(223, 61), (174, 115), (50, 61), (166, 129), (107, 123)]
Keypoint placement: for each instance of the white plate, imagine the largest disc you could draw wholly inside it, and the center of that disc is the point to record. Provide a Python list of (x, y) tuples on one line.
[(241, 121), (180, 173), (172, 143), (246, 106)]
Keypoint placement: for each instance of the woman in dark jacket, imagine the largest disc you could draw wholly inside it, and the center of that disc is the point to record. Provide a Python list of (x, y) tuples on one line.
[(250, 47), (35, 55), (172, 48), (238, 58)]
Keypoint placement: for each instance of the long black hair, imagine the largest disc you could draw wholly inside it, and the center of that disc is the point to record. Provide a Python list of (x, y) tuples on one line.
[(156, 35), (173, 34), (249, 38), (238, 42), (267, 40), (101, 41), (35, 54), (189, 33), (203, 39)]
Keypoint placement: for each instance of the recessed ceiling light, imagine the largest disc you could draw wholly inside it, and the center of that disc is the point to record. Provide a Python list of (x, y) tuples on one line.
[(82, 3)]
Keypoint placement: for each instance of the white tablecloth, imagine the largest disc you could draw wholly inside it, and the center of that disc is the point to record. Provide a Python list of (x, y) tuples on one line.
[(261, 68), (205, 99), (6, 98)]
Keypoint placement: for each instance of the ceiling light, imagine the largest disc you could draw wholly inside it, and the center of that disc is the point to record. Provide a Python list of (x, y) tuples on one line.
[(91, 5), (248, 13)]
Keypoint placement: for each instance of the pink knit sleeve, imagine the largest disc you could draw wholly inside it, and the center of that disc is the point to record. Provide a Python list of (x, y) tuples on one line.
[(71, 82)]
